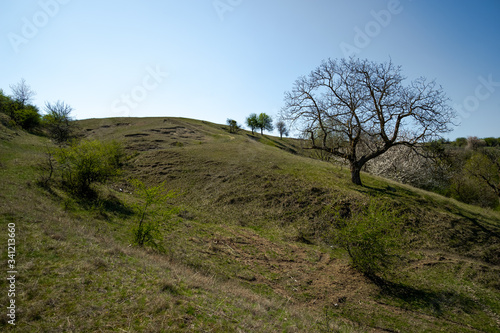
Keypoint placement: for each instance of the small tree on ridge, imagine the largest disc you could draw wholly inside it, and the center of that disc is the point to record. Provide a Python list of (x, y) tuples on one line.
[(234, 127), (264, 122), (281, 126), (252, 122)]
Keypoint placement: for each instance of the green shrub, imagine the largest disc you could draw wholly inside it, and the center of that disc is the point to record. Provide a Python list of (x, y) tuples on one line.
[(28, 117), (472, 191), (372, 238), (234, 127), (460, 142), (491, 142), (18, 108), (5, 102), (478, 181), (151, 211), (88, 162)]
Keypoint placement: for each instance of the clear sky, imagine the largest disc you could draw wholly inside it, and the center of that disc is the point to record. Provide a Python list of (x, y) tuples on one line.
[(219, 59)]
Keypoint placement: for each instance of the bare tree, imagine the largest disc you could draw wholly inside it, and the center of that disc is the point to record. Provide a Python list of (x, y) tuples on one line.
[(58, 120), (368, 107), (281, 127), (22, 92), (474, 143)]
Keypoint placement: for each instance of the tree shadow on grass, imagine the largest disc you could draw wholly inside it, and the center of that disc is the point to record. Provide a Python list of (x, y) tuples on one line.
[(435, 302), (90, 200), (113, 205), (379, 191), (476, 223), (281, 145), (104, 205)]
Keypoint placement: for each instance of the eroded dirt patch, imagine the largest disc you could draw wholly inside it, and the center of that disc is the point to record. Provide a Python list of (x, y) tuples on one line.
[(298, 273)]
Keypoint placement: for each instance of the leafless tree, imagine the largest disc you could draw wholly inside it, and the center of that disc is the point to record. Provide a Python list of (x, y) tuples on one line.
[(368, 107), (58, 120), (22, 92), (282, 129), (474, 143)]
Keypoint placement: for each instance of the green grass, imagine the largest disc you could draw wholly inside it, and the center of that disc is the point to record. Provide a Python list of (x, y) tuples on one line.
[(248, 249)]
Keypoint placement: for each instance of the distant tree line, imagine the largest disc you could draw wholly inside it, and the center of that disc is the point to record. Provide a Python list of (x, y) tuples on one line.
[(463, 142), (263, 122)]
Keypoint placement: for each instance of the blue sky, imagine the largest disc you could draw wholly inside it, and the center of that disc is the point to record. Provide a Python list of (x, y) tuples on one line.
[(219, 59)]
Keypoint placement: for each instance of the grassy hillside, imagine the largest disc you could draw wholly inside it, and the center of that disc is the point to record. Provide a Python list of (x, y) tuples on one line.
[(251, 248)]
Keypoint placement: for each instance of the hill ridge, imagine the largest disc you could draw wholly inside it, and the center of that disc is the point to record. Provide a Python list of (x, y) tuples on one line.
[(252, 217)]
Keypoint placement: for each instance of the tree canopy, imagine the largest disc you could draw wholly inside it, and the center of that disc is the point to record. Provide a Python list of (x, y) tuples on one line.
[(261, 121), (264, 122), (485, 166), (252, 122)]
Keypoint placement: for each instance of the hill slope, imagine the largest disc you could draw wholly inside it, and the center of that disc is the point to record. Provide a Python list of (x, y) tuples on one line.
[(249, 249)]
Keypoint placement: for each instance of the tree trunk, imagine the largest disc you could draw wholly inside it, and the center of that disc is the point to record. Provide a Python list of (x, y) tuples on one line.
[(355, 174)]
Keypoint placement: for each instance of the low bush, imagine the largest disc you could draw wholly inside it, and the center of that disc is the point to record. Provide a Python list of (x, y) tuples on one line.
[(28, 117), (372, 238), (80, 165)]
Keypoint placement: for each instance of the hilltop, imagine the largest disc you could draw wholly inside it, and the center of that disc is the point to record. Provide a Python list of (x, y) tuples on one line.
[(249, 248)]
